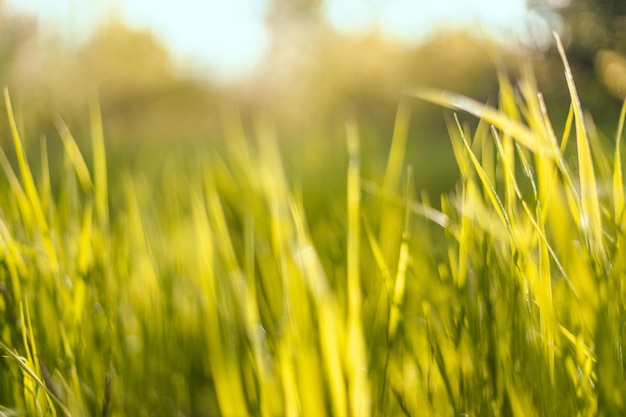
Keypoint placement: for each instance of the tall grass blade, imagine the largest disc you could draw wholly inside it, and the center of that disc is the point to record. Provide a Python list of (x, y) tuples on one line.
[(487, 185), (356, 352), (618, 183), (29, 185), (101, 188), (395, 161), (590, 208), (75, 155)]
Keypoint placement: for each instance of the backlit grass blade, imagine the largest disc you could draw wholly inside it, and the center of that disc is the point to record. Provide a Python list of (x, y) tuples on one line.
[(404, 260), (29, 184), (379, 259), (12, 254), (45, 189), (311, 363), (567, 130), (224, 365), (491, 115), (356, 352), (101, 187), (618, 183), (331, 343), (85, 252), (543, 295), (76, 157), (24, 207), (508, 105), (219, 224), (590, 208), (398, 147), (487, 185)]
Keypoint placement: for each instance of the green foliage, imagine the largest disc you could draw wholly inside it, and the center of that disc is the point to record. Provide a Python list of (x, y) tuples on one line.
[(210, 283)]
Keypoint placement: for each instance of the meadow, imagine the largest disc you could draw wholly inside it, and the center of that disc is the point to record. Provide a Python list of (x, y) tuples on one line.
[(226, 281)]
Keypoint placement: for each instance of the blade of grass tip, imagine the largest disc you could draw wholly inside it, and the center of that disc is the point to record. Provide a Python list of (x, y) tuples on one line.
[(25, 209), (618, 183), (76, 157), (99, 162), (359, 390), (45, 194), (495, 117), (590, 217), (398, 146), (508, 106), (29, 182), (464, 165)]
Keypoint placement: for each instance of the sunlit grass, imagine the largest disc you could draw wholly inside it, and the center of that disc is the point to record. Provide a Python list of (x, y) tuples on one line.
[(201, 286)]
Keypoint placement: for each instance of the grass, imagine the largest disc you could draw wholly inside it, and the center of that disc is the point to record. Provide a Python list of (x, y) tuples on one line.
[(210, 284)]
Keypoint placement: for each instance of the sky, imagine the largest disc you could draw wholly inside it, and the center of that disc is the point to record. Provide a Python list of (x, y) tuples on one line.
[(227, 38)]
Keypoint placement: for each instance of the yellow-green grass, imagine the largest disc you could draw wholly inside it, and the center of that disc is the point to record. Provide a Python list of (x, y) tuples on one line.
[(203, 287)]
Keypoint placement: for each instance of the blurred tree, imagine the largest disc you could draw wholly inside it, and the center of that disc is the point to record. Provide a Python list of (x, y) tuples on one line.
[(15, 32), (141, 95)]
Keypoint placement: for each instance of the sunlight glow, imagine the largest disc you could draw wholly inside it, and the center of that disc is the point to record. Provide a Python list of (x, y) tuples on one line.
[(225, 39)]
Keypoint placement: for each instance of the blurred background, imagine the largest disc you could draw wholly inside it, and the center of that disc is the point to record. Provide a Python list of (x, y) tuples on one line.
[(172, 72)]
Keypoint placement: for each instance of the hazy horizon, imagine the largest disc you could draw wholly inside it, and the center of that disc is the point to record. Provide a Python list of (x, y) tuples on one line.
[(227, 39)]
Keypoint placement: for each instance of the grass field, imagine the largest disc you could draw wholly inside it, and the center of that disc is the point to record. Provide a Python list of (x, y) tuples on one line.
[(214, 283)]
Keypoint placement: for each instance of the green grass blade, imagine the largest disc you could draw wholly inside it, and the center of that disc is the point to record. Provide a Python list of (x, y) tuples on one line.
[(29, 184), (356, 352), (25, 209), (487, 185), (45, 194), (590, 207), (101, 188), (395, 161), (618, 183), (567, 129), (491, 115), (76, 157)]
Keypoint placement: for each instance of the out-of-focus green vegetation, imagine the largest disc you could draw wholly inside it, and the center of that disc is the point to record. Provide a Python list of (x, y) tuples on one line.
[(170, 247), (206, 283)]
